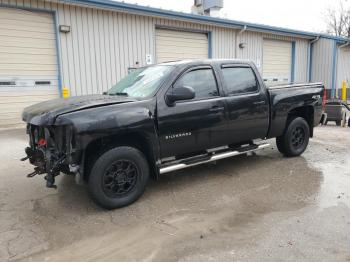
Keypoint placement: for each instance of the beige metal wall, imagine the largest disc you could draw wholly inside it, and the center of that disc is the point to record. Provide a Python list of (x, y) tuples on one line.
[(254, 50), (102, 44), (322, 62), (253, 47)]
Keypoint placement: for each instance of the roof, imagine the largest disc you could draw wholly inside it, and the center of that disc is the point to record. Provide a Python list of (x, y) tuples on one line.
[(207, 61), (121, 6)]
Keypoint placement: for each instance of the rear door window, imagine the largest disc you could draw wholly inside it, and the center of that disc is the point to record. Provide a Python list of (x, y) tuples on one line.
[(239, 80)]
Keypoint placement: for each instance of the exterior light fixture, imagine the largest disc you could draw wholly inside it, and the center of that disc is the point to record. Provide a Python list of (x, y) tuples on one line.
[(64, 28), (242, 45)]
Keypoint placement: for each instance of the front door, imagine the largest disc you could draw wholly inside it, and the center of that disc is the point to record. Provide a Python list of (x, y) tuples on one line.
[(193, 125)]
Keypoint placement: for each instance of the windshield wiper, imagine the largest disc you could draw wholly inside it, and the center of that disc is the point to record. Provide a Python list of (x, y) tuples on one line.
[(120, 94)]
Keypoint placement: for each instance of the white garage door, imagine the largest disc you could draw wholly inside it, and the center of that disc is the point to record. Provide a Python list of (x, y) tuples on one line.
[(28, 62), (277, 61), (343, 69), (174, 45)]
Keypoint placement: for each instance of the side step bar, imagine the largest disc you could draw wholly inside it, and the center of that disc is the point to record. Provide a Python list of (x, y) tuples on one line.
[(212, 158)]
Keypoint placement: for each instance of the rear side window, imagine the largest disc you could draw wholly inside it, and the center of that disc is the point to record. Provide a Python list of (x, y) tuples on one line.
[(239, 80), (202, 81)]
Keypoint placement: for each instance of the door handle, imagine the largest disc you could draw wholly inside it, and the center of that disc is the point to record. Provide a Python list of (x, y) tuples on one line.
[(216, 109), (259, 103)]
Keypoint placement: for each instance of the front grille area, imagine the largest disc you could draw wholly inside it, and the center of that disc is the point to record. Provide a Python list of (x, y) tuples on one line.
[(35, 133)]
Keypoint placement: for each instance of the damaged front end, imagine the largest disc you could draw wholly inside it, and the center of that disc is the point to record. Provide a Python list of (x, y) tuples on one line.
[(52, 149)]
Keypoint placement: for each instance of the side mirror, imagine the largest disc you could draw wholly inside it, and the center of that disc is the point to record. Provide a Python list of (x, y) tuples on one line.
[(180, 93)]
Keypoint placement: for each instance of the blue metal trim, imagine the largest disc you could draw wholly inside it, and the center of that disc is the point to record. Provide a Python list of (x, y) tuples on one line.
[(334, 69), (27, 8), (210, 45), (58, 52), (292, 76), (200, 18), (54, 13), (310, 58)]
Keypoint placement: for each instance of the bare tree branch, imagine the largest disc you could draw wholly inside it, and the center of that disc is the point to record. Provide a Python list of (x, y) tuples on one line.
[(338, 20)]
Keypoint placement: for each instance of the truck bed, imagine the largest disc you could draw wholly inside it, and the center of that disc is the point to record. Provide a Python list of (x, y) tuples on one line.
[(284, 98)]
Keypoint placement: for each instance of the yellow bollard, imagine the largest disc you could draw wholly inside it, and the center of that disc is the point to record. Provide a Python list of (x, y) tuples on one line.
[(65, 92), (343, 91)]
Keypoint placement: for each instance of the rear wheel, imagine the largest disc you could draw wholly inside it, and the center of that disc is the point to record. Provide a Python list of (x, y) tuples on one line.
[(118, 177), (295, 138)]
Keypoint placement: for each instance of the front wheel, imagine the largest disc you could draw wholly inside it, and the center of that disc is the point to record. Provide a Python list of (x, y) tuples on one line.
[(118, 177), (295, 138)]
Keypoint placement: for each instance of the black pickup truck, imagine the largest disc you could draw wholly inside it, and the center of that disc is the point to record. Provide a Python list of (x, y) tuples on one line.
[(163, 118)]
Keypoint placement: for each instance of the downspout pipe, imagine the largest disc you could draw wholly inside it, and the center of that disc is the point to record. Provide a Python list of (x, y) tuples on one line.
[(314, 40), (345, 45), (236, 39), (334, 69), (310, 57), (243, 30)]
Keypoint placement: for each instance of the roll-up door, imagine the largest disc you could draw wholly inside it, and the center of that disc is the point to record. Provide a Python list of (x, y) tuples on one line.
[(174, 45), (277, 61), (28, 62), (343, 69)]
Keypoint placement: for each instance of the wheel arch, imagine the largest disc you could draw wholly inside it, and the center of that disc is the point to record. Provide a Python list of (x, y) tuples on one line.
[(137, 140), (306, 112)]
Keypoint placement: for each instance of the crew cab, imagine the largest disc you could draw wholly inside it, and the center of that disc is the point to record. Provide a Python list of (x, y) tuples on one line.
[(166, 117)]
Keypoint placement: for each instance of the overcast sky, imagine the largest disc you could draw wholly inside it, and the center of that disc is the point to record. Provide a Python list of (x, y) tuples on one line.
[(307, 15)]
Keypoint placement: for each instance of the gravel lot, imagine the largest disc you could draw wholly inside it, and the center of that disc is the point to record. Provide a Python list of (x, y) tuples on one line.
[(248, 208)]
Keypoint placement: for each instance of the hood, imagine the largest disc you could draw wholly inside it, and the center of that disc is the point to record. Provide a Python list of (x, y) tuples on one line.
[(46, 112)]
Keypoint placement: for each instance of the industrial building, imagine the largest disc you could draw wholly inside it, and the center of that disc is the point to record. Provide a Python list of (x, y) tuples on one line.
[(87, 46)]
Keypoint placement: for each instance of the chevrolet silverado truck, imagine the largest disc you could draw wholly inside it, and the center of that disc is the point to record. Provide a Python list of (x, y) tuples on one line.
[(163, 118)]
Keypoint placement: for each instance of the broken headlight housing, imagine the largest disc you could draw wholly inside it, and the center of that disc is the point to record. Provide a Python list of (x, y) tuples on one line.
[(51, 150)]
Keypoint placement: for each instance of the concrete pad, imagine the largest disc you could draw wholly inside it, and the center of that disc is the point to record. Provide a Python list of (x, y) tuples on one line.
[(248, 208)]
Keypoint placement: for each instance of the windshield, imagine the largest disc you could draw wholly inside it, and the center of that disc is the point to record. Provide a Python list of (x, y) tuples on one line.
[(142, 82)]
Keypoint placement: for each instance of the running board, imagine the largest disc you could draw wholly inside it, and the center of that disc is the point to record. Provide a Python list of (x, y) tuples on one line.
[(212, 158)]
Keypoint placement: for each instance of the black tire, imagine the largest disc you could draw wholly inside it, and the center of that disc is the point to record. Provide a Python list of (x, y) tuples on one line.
[(338, 122), (280, 146), (295, 138), (118, 177)]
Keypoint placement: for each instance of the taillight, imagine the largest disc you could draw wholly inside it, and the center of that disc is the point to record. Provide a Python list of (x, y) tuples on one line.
[(324, 100)]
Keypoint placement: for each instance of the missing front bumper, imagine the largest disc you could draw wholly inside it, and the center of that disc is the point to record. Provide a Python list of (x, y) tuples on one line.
[(50, 166)]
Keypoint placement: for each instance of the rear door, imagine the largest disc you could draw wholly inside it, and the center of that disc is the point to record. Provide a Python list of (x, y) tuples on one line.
[(247, 104), (192, 125)]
